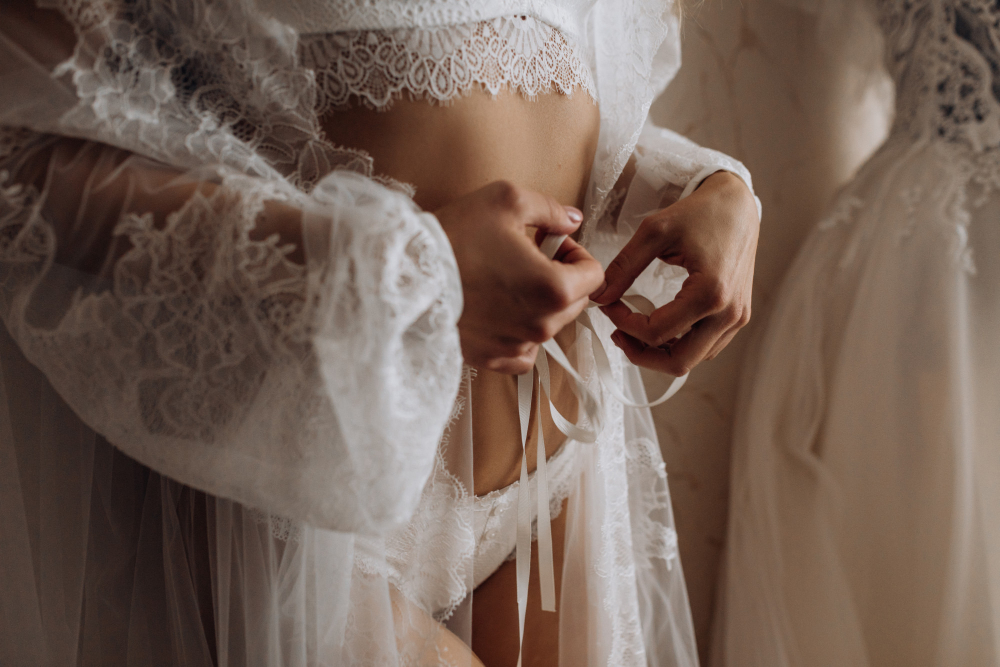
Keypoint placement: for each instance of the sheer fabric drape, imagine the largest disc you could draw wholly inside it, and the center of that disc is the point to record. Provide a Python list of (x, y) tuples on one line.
[(867, 437), (231, 374)]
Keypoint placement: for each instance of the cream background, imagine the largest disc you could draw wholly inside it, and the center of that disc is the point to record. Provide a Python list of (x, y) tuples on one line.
[(754, 84)]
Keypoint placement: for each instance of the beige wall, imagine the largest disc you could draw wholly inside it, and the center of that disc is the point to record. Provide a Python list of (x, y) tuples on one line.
[(755, 85)]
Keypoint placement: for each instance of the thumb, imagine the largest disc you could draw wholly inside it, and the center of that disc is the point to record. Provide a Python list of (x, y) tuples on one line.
[(549, 216), (638, 253)]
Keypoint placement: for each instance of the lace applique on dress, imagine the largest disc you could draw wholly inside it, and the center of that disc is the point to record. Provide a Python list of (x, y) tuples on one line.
[(944, 58), (440, 64)]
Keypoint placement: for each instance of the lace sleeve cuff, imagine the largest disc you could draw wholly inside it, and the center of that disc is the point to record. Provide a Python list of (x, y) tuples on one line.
[(668, 167), (665, 158), (317, 390)]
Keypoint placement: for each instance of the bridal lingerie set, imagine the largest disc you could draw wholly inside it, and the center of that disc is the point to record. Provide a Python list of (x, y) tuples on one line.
[(211, 454)]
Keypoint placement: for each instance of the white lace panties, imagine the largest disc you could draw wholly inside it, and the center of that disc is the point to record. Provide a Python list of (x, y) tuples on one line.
[(495, 514), (375, 67)]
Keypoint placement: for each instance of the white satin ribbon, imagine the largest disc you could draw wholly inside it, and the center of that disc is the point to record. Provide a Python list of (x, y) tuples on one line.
[(592, 411), (522, 553)]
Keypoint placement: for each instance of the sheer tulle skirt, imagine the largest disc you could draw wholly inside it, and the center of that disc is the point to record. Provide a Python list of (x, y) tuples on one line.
[(867, 457), (108, 562)]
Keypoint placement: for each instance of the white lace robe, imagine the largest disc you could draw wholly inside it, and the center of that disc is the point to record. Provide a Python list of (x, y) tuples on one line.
[(276, 413)]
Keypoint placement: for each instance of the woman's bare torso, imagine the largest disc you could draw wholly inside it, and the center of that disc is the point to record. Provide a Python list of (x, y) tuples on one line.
[(547, 145)]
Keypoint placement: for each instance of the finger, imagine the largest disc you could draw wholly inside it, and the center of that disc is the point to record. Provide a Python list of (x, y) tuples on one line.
[(512, 365), (693, 347), (740, 318), (564, 317), (576, 273), (650, 332), (722, 343), (484, 345), (728, 336), (551, 325), (645, 246), (492, 358), (698, 299), (542, 211), (640, 354), (569, 251)]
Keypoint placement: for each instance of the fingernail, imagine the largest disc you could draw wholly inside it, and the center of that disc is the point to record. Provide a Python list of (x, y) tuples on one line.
[(574, 214), (599, 291), (616, 338)]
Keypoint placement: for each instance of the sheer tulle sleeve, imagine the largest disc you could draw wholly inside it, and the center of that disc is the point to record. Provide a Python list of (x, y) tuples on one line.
[(203, 279), (310, 380), (665, 168)]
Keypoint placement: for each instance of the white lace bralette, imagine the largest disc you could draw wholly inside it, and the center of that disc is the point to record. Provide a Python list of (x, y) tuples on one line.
[(439, 64)]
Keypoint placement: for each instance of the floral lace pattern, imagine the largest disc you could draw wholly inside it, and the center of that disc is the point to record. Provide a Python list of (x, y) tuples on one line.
[(944, 56), (517, 53), (318, 391), (212, 357)]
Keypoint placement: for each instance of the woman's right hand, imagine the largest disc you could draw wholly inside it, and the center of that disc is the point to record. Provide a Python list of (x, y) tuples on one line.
[(515, 297)]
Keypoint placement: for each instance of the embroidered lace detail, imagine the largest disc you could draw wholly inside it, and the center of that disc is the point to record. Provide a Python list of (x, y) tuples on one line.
[(945, 60), (281, 528), (200, 334), (440, 64), (140, 63), (501, 502), (652, 535), (429, 560)]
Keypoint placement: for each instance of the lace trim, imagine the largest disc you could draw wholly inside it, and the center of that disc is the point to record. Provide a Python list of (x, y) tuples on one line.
[(945, 58), (502, 502), (509, 53)]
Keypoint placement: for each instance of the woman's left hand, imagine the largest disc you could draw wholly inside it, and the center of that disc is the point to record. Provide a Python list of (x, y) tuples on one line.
[(713, 234)]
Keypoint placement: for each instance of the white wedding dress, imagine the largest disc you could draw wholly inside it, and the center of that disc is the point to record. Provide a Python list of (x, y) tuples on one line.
[(865, 499), (219, 447)]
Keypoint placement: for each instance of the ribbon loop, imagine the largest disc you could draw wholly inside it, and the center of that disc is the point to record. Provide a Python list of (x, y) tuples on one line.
[(592, 412)]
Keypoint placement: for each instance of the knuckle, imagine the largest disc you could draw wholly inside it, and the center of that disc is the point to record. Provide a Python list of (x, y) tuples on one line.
[(681, 368), (556, 294), (620, 264), (556, 212), (732, 313), (507, 194), (521, 366), (654, 225), (527, 347), (677, 366), (495, 364), (535, 333), (548, 329), (715, 296), (509, 366)]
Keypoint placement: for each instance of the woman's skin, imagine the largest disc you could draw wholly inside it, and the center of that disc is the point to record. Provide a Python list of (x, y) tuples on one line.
[(510, 147), (497, 172)]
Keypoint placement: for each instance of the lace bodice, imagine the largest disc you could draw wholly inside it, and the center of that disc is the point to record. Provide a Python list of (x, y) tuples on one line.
[(944, 56), (518, 53)]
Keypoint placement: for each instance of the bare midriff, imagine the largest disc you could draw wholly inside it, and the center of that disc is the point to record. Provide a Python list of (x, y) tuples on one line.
[(547, 145)]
